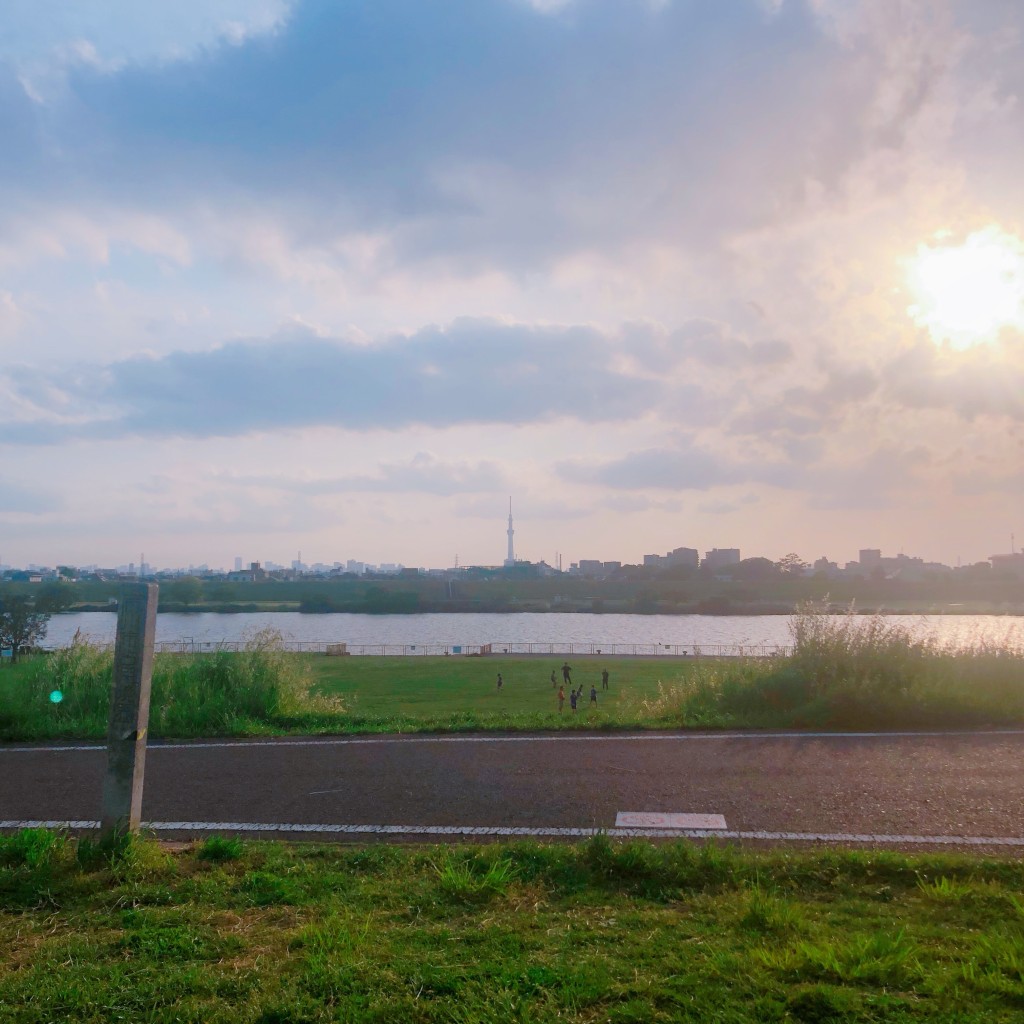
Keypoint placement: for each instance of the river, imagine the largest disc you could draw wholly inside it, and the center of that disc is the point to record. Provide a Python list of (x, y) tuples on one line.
[(520, 632)]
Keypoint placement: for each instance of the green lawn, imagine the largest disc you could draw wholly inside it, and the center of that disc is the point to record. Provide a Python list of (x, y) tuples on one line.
[(271, 933), (449, 689)]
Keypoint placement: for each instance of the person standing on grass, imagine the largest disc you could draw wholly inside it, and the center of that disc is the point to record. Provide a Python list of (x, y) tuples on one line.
[(604, 679), (572, 700), (553, 683), (566, 677), (500, 682), (561, 697), (593, 696)]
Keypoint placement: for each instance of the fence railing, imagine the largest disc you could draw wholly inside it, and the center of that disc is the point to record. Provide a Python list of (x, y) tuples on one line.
[(188, 645)]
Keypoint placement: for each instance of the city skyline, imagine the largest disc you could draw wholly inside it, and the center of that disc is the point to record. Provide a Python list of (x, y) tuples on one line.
[(342, 277), (668, 557)]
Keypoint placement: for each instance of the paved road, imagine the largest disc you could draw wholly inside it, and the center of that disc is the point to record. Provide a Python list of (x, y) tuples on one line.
[(888, 786)]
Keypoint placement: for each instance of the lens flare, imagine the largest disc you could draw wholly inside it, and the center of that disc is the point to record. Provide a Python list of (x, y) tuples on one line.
[(967, 293)]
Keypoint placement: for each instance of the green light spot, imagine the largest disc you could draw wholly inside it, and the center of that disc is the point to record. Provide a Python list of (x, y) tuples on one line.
[(56, 697)]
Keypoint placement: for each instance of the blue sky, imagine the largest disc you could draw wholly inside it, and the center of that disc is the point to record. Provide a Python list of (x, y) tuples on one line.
[(341, 276)]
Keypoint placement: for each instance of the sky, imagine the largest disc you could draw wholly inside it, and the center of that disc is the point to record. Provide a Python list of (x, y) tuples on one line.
[(342, 276)]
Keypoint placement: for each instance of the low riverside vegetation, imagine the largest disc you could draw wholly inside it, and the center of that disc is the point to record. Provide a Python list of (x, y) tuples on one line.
[(262, 933), (853, 673), (222, 693), (844, 673)]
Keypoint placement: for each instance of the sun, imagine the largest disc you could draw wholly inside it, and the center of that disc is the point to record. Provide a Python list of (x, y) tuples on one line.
[(965, 294)]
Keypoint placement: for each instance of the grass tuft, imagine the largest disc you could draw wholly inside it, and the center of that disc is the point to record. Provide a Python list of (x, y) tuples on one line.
[(220, 848), (767, 913), (473, 880), (33, 848)]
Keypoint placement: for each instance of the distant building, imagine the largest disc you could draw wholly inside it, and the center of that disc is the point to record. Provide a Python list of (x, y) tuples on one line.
[(1009, 563), (688, 557), (870, 558), (254, 574), (719, 558)]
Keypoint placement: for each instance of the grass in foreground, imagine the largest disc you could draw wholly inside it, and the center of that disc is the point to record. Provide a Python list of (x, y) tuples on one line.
[(254, 933), (853, 673)]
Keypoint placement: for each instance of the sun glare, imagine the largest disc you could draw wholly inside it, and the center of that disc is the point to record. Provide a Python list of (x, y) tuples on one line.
[(966, 293)]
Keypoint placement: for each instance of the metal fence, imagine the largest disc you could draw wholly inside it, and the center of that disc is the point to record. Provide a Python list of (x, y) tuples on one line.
[(188, 645)]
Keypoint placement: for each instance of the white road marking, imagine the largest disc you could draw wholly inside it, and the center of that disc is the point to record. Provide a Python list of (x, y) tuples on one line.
[(556, 737), (651, 819), (478, 830)]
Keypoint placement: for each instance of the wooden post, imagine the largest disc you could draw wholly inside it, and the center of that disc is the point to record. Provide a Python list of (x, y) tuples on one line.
[(129, 709)]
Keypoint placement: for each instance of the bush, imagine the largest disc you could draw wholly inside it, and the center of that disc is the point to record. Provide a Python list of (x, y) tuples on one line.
[(228, 691), (192, 695), (850, 672)]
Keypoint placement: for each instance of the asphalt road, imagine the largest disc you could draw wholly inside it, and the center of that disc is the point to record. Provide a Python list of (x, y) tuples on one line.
[(889, 786)]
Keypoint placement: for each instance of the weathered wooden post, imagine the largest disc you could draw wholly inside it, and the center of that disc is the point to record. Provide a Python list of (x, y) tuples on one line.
[(129, 709)]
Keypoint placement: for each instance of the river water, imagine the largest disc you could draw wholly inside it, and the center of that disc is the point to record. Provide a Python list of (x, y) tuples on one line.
[(519, 632)]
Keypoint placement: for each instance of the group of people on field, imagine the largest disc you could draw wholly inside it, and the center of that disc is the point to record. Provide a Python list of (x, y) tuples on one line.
[(575, 696)]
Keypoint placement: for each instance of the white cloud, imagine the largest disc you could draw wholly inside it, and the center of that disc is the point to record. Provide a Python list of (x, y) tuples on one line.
[(108, 33)]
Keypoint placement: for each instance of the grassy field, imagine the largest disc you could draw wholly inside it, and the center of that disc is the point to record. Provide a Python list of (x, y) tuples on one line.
[(427, 692), (217, 695), (270, 933), (843, 674)]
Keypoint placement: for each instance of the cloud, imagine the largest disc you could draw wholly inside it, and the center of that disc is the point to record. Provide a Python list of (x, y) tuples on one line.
[(481, 129), (728, 506), (690, 467), (108, 34), (989, 480), (986, 381), (423, 474), (637, 504), (475, 371), (18, 501), (716, 344), (881, 479)]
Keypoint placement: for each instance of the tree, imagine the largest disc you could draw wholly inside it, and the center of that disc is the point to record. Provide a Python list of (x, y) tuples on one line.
[(791, 564), (54, 597), (186, 590), (22, 624), (753, 570)]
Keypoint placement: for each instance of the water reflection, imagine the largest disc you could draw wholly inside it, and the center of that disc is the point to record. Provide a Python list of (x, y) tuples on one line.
[(503, 630)]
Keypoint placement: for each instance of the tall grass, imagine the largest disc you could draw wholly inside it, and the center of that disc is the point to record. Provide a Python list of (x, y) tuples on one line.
[(854, 672), (234, 691), (259, 688), (874, 672)]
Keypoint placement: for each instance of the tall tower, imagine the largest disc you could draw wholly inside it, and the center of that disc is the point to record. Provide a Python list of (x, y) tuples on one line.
[(511, 559)]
